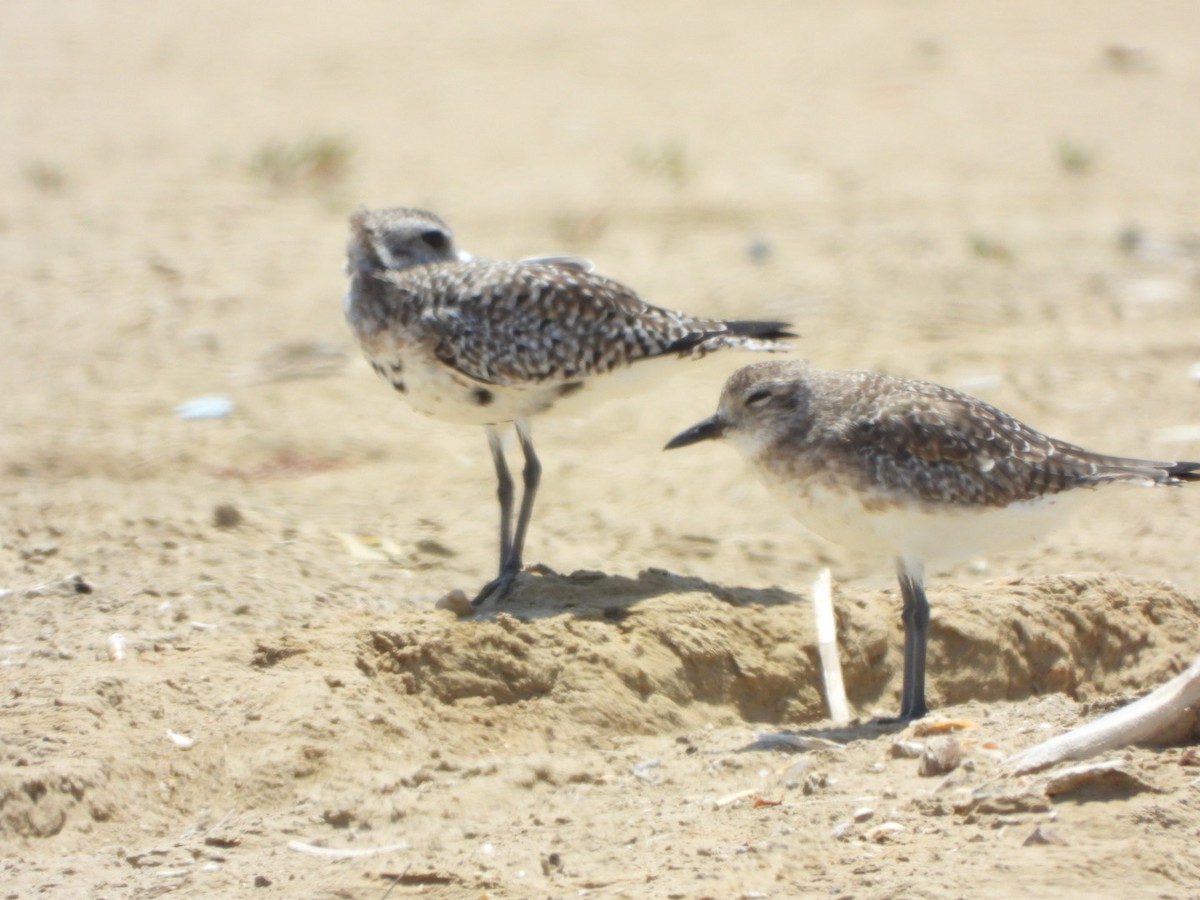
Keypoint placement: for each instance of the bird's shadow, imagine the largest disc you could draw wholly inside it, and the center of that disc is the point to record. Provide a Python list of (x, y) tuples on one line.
[(585, 592), (803, 740)]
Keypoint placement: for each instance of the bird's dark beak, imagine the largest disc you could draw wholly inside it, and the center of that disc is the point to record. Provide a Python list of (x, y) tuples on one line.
[(710, 428)]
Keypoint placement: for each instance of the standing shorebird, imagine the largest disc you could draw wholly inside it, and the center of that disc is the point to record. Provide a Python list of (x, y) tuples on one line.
[(488, 342), (910, 469)]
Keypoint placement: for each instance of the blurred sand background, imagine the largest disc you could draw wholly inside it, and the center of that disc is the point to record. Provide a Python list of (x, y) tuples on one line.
[(1003, 198)]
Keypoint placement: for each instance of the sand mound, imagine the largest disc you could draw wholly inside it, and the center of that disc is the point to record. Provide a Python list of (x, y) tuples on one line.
[(661, 652)]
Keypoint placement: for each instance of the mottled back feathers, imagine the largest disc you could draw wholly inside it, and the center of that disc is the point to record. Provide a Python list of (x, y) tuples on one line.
[(915, 441), (540, 322)]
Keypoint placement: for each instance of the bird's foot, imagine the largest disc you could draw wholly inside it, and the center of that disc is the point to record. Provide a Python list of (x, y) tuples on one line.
[(900, 720), (499, 587), (502, 585), (889, 721)]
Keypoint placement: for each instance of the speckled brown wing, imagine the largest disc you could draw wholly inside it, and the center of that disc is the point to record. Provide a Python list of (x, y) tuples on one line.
[(513, 323), (936, 443)]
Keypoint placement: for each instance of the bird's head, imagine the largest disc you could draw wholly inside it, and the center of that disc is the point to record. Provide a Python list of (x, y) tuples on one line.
[(760, 404), (396, 239)]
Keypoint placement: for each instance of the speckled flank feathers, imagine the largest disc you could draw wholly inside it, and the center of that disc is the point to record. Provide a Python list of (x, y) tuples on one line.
[(908, 468), (490, 342)]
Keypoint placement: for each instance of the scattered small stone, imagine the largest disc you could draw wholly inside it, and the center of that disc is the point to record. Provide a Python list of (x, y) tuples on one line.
[(262, 881), (1002, 799), (883, 832), (730, 799), (906, 749), (940, 756), (456, 602), (208, 406), (226, 515), (642, 770), (1042, 835), (116, 647), (759, 250), (1110, 775), (814, 782), (551, 863), (338, 818), (863, 813), (431, 547)]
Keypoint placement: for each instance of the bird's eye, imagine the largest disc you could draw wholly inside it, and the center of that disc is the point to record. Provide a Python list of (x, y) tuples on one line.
[(435, 239), (759, 397)]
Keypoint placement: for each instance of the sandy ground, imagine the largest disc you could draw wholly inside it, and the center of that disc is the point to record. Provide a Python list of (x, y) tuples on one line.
[(1005, 198)]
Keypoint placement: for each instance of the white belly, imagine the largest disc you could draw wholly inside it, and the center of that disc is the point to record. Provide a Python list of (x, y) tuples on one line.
[(921, 532), (436, 390)]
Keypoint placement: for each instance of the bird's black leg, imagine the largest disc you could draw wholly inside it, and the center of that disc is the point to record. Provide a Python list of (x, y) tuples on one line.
[(512, 545), (915, 617), (532, 476), (504, 492)]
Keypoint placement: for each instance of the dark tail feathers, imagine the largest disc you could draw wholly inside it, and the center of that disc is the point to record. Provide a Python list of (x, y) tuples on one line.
[(768, 330), (1185, 471)]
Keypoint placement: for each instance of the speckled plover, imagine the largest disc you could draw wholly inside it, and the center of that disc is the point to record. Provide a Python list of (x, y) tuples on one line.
[(490, 342), (907, 468)]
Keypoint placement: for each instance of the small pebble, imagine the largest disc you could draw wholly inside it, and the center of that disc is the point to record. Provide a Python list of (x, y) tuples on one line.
[(1041, 836), (941, 755), (116, 647), (456, 602), (884, 831), (906, 749), (863, 813), (226, 515), (209, 406), (759, 250)]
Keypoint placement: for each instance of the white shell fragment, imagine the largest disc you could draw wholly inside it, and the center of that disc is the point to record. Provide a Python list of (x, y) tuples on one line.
[(116, 647), (182, 741), (208, 406)]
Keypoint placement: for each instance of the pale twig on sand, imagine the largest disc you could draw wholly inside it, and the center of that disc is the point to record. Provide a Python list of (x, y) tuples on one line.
[(831, 665), (344, 853), (1139, 721)]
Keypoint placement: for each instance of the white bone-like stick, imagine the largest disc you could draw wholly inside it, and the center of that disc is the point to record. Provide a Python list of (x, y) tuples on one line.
[(1138, 721), (831, 664), (346, 853)]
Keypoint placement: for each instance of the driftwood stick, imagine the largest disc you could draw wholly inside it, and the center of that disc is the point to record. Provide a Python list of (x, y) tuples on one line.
[(1138, 721)]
